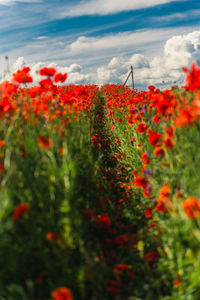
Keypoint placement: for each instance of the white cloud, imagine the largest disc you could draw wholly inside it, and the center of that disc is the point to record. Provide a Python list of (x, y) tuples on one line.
[(74, 72), (10, 2), (139, 61), (193, 13), (182, 50), (104, 7), (162, 69), (40, 37), (122, 42)]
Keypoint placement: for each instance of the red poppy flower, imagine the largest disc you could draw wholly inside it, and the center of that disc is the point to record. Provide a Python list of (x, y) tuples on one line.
[(145, 158), (160, 207), (177, 282), (94, 140), (140, 181), (2, 143), (62, 293), (46, 83), (153, 256), (22, 76), (154, 138), (186, 117), (156, 119), (165, 190), (169, 143), (122, 239), (191, 207), (51, 236), (131, 140), (104, 219), (159, 152), (44, 142), (141, 128), (193, 78), (118, 268), (47, 71), (20, 211), (60, 77), (170, 131), (151, 87), (148, 213)]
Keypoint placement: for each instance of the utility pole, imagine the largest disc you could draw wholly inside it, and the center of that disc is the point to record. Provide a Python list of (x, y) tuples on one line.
[(132, 77), (6, 71)]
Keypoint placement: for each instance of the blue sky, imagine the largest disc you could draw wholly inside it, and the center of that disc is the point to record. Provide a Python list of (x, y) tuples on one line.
[(96, 41)]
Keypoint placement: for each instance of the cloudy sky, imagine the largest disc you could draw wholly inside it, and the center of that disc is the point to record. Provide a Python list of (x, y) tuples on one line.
[(96, 41)]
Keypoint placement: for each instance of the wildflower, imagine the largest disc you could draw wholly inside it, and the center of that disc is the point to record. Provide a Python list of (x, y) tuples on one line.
[(46, 83), (145, 158), (160, 207), (141, 128), (51, 236), (146, 171), (177, 282), (148, 213), (147, 191), (47, 71), (61, 150), (191, 207), (62, 293), (22, 76), (151, 87), (154, 138), (118, 268), (140, 181), (122, 239), (152, 257), (163, 105), (94, 140), (44, 142), (2, 143), (164, 196), (131, 140), (20, 211), (132, 110), (186, 117), (159, 152), (104, 219), (60, 77), (192, 78), (169, 143), (156, 119), (170, 131), (134, 172), (165, 190), (114, 287)]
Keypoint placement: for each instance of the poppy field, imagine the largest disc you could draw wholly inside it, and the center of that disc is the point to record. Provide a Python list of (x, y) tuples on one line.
[(99, 190)]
